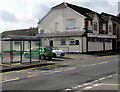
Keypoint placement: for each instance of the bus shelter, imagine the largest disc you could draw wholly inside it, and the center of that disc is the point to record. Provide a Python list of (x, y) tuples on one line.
[(13, 49)]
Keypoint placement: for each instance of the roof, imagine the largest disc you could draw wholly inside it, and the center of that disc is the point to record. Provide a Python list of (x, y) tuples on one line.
[(65, 34), (115, 18), (78, 9), (24, 32), (20, 38)]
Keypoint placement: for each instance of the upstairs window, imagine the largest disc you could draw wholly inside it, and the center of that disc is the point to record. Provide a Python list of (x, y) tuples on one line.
[(104, 27), (71, 23), (56, 26), (110, 28), (95, 26)]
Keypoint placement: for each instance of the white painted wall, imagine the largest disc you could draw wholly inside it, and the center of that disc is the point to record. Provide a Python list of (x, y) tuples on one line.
[(71, 14), (67, 47), (48, 22), (60, 16), (95, 46)]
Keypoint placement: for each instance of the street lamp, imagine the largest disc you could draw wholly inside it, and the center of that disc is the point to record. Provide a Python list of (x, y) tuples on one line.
[(41, 36)]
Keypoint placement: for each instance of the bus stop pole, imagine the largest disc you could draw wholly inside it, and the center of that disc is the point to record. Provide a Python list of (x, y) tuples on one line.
[(41, 35), (30, 53), (21, 52), (11, 52)]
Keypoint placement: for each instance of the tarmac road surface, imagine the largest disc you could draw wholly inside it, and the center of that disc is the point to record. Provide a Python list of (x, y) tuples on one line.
[(66, 75)]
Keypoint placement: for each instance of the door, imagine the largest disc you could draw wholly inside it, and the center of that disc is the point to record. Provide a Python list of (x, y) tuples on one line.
[(51, 43), (114, 45)]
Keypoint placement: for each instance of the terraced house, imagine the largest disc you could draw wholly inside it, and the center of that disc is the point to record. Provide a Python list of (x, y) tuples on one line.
[(77, 29)]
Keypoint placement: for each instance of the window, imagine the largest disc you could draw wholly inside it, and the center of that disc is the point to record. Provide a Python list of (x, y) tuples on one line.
[(110, 28), (89, 28), (104, 27), (71, 23), (34, 49), (63, 43), (74, 42), (89, 23), (56, 26), (95, 25)]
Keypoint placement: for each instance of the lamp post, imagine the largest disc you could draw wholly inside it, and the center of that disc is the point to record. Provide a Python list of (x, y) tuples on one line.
[(104, 29), (41, 36)]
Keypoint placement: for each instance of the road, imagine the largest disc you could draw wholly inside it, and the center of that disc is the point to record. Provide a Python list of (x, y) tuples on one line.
[(64, 75)]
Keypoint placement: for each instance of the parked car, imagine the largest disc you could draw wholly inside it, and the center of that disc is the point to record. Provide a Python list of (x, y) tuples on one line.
[(42, 52), (56, 52)]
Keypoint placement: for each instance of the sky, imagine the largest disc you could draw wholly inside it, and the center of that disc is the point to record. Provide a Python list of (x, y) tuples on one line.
[(22, 14)]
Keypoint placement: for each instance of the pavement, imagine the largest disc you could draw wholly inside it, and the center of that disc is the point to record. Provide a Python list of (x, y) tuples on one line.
[(68, 57)]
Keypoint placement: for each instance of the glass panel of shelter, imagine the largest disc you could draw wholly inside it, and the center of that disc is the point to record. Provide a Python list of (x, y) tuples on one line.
[(16, 51), (6, 52), (35, 52), (26, 52)]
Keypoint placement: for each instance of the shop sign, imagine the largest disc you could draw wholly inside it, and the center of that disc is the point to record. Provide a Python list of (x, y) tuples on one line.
[(72, 28)]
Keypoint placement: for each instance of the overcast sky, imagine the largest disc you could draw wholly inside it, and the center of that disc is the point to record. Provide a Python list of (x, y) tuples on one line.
[(21, 14)]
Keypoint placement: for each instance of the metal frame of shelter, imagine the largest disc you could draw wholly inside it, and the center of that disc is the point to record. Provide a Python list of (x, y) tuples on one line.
[(11, 52)]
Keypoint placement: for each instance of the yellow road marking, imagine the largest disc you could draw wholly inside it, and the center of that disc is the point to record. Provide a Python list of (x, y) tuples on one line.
[(11, 79), (31, 76)]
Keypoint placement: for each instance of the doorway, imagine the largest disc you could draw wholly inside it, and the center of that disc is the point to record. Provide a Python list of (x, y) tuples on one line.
[(51, 43)]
